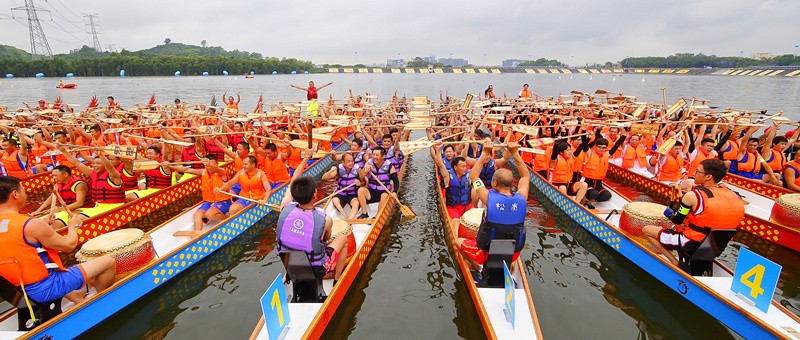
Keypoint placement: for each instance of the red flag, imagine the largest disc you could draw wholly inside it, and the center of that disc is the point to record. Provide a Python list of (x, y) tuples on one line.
[(504, 95), (260, 106), (93, 103), (152, 100)]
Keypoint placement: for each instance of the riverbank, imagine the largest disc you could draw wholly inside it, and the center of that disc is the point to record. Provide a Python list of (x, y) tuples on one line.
[(760, 71)]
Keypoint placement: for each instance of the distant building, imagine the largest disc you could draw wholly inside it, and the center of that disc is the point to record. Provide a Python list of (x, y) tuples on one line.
[(762, 56), (512, 62), (395, 63), (429, 59), (454, 62)]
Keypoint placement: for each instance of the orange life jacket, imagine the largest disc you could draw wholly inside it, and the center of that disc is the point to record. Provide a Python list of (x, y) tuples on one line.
[(596, 166), (14, 165), (699, 157), (722, 209), (38, 151), (794, 166), (207, 186), (294, 159), (251, 186), (525, 93), (562, 172), (618, 152), (20, 261), (634, 154), (670, 171), (542, 162), (749, 163), (777, 160), (276, 171), (731, 153)]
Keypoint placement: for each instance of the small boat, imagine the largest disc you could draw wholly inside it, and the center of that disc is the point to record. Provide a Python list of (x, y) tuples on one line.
[(175, 254), (490, 301), (711, 293), (309, 319), (249, 76), (757, 213), (68, 86)]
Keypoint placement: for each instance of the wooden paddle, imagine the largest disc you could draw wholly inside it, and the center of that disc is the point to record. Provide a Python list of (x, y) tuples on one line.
[(273, 206), (405, 210)]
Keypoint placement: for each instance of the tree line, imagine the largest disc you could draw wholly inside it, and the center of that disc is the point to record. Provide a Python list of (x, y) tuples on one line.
[(146, 65), (690, 60)]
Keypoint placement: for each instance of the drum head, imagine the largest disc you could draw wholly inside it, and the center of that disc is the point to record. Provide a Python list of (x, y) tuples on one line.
[(472, 217), (341, 227), (790, 201), (646, 209), (114, 239)]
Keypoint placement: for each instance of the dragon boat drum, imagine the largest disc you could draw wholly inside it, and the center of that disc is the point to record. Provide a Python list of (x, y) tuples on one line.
[(469, 223), (131, 248), (636, 215), (342, 228), (786, 210)]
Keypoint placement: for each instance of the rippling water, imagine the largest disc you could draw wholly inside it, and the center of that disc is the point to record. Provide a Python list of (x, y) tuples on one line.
[(409, 287)]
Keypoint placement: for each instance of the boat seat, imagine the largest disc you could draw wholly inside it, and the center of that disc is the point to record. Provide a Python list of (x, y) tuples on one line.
[(43, 311), (307, 287), (700, 262), (499, 251)]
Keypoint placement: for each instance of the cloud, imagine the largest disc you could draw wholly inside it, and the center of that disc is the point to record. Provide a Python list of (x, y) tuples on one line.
[(370, 32)]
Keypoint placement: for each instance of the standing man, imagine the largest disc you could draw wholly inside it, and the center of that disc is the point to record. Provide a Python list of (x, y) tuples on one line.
[(525, 94), (708, 206), (311, 91), (504, 217)]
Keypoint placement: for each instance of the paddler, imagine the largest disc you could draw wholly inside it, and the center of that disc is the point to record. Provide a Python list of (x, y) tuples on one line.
[(73, 190), (293, 231), (253, 182), (457, 186), (274, 165), (105, 183), (525, 94), (15, 159), (113, 105), (215, 205), (155, 179), (504, 217), (708, 206), (377, 169), (346, 173), (791, 174), (562, 167), (229, 103), (29, 252)]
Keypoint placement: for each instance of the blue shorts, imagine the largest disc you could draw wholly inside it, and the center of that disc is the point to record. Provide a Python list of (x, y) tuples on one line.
[(751, 175), (236, 188), (274, 185), (243, 202), (57, 284), (222, 206)]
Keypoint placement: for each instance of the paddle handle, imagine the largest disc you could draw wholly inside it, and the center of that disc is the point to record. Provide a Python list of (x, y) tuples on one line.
[(273, 206), (334, 193)]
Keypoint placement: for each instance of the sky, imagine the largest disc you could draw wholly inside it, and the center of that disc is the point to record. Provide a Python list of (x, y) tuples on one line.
[(369, 32)]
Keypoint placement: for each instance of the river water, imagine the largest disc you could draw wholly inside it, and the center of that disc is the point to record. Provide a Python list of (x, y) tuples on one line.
[(409, 286)]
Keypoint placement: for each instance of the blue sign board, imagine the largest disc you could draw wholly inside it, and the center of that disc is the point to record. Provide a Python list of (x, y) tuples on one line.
[(509, 300), (755, 278), (275, 307)]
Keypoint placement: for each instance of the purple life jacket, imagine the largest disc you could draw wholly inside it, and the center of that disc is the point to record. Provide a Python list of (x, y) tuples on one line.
[(302, 230), (382, 174), (346, 178)]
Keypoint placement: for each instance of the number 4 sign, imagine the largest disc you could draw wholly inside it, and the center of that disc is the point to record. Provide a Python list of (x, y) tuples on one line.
[(755, 278), (275, 308)]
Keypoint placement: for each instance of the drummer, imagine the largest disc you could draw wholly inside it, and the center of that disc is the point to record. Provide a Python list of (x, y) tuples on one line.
[(708, 206), (346, 173), (215, 204), (105, 183), (21, 261), (253, 182), (73, 190)]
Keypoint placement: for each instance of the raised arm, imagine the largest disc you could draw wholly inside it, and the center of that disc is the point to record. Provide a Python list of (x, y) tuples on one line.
[(524, 174), (78, 165)]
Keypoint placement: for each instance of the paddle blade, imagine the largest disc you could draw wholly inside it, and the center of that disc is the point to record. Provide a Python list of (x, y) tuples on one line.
[(411, 146), (664, 148), (407, 212), (535, 143)]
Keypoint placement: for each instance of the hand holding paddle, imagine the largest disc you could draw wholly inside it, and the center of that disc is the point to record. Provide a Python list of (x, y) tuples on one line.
[(405, 210), (261, 202)]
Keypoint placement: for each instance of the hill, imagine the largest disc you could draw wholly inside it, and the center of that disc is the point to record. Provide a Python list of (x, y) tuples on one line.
[(11, 52)]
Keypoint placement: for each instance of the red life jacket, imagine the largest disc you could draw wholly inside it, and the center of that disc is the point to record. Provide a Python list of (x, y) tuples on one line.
[(156, 178), (190, 155), (128, 179), (312, 93), (68, 191), (103, 191)]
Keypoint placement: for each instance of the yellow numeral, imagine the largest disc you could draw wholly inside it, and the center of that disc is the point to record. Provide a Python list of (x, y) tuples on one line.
[(276, 303), (757, 274)]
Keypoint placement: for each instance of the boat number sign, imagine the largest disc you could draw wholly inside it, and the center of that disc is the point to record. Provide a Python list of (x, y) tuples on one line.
[(276, 309), (509, 300), (755, 278)]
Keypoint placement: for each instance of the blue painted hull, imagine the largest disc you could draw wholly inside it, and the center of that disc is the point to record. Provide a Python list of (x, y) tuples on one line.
[(165, 269), (678, 281)]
